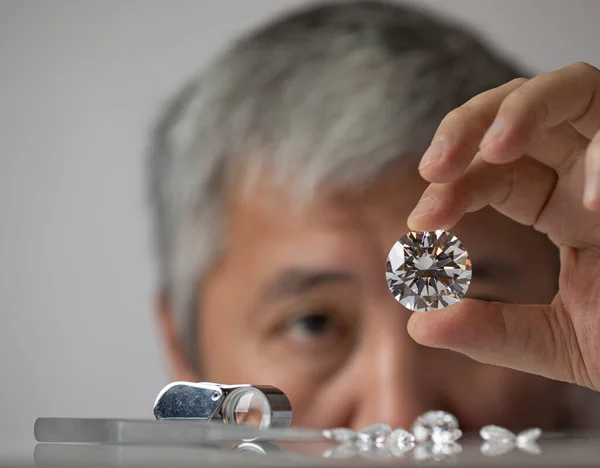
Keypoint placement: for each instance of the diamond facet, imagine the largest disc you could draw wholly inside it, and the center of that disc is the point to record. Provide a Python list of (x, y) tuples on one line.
[(340, 435), (428, 270), (496, 434), (375, 434), (438, 426)]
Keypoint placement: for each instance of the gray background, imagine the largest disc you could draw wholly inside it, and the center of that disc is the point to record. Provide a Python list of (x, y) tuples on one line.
[(79, 84)]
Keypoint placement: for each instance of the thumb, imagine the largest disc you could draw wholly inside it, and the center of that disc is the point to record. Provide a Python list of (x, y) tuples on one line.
[(530, 338)]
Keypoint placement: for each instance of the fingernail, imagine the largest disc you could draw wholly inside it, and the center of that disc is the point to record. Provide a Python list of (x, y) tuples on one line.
[(493, 133), (433, 154), (425, 206)]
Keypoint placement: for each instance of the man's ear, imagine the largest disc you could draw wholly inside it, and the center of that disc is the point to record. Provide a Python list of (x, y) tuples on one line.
[(180, 367)]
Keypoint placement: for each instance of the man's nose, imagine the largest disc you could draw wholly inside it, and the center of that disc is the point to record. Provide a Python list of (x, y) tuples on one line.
[(392, 385)]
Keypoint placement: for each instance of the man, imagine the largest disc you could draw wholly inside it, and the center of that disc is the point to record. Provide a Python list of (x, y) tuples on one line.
[(281, 178)]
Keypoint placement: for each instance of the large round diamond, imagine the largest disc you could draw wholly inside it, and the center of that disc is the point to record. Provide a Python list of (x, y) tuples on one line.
[(428, 270)]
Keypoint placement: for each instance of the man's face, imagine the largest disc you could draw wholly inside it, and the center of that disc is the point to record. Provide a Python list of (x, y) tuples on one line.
[(299, 300)]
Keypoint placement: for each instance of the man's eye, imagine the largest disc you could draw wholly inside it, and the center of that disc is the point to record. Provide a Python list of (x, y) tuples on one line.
[(313, 325), (317, 328)]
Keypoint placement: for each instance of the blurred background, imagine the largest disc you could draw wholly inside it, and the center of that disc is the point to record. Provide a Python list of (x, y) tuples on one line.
[(80, 82)]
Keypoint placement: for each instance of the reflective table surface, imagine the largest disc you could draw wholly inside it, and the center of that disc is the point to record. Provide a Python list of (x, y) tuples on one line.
[(87, 442)]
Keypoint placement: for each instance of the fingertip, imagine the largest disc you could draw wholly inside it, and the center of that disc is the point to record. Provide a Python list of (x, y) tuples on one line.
[(447, 165), (422, 225), (438, 208), (429, 222), (460, 327), (437, 328), (422, 329)]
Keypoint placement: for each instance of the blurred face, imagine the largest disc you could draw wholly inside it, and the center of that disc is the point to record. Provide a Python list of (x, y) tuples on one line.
[(299, 301)]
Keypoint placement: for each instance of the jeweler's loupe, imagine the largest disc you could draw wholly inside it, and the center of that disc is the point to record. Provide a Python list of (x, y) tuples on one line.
[(260, 406)]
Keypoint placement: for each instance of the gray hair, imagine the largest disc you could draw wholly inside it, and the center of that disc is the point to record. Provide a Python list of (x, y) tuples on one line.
[(335, 92)]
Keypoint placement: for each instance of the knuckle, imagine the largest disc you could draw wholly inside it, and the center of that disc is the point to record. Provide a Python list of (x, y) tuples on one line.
[(568, 358), (551, 339)]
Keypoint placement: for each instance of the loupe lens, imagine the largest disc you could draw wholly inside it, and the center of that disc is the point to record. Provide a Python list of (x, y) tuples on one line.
[(248, 406)]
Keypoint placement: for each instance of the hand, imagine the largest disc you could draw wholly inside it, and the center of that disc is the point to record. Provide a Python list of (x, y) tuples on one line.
[(539, 164)]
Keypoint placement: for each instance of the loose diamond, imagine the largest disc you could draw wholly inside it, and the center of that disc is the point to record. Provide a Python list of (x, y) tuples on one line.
[(375, 434), (529, 436), (402, 439), (428, 270), (496, 434), (500, 440), (340, 435), (438, 426)]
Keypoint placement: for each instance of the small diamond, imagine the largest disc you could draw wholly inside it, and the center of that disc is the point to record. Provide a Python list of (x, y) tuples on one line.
[(438, 426), (340, 435), (428, 270), (401, 439), (501, 440), (375, 434), (496, 434), (529, 436)]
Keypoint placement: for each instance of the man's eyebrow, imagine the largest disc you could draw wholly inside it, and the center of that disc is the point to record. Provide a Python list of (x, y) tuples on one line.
[(295, 281), (495, 269)]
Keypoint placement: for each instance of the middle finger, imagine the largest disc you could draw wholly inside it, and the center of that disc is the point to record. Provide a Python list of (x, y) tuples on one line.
[(457, 139)]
